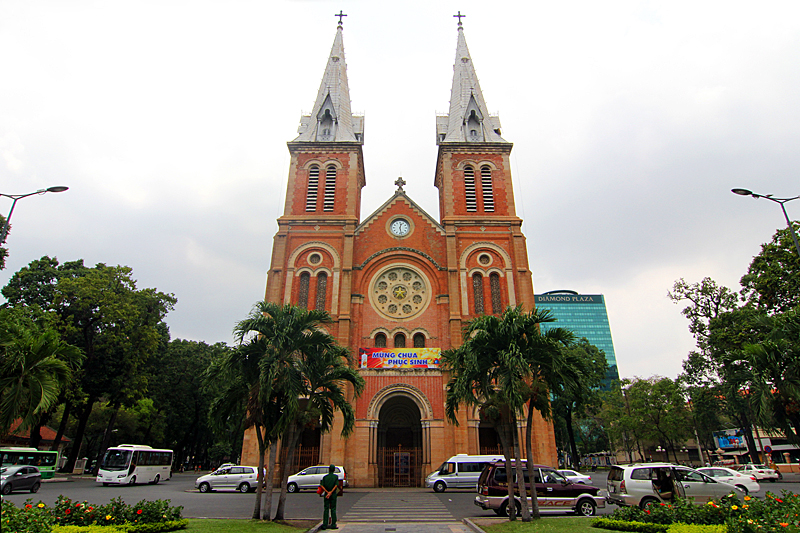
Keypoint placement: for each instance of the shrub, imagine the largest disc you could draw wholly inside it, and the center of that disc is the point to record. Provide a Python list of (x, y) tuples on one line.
[(158, 527), (94, 528), (629, 525), (30, 518), (695, 528)]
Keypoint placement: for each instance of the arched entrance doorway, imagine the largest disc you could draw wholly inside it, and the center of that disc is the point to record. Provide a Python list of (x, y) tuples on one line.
[(400, 454)]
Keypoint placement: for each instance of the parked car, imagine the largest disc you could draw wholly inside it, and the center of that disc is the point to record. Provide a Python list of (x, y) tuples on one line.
[(241, 478), (459, 472), (645, 483), (744, 482), (760, 472), (554, 492), (309, 478), (576, 477), (20, 477)]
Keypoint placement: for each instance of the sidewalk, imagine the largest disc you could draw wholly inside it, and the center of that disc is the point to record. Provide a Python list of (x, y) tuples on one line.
[(467, 526)]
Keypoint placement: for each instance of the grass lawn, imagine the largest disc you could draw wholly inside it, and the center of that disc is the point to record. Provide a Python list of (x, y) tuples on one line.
[(239, 526), (549, 524)]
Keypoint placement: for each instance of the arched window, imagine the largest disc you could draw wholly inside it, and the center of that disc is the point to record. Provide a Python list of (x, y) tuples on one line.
[(469, 189), (313, 186), (497, 300), (419, 340), (302, 297), (486, 186), (322, 289), (477, 293), (330, 188), (380, 340), (399, 341)]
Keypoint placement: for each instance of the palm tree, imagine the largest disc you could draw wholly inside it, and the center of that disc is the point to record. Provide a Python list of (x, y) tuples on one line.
[(302, 376), (490, 371), (35, 366)]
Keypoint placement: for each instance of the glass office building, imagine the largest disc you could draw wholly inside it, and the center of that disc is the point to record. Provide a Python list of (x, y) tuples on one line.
[(585, 315)]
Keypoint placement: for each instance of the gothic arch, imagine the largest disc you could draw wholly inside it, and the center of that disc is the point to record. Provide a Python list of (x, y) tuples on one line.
[(401, 389), (291, 266), (506, 272)]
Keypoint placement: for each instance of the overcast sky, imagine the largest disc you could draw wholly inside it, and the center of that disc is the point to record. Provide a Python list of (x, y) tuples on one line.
[(631, 122)]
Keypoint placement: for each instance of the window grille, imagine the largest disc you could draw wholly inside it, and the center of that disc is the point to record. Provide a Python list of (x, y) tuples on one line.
[(322, 289), (477, 293), (469, 189), (419, 340), (399, 341), (486, 185), (330, 188), (497, 300), (313, 186), (380, 340), (302, 297)]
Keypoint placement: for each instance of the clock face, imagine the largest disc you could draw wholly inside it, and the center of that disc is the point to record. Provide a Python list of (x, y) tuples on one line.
[(400, 227)]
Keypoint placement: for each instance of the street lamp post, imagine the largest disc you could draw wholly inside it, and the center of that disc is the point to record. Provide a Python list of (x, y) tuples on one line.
[(781, 201), (15, 197)]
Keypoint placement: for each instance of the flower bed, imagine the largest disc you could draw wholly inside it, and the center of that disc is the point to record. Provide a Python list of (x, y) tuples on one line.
[(752, 515), (144, 517)]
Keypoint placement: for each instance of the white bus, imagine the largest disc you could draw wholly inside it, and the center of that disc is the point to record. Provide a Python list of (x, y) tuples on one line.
[(133, 463)]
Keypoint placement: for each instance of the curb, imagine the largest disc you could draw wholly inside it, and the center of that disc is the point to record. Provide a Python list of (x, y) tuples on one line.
[(472, 525)]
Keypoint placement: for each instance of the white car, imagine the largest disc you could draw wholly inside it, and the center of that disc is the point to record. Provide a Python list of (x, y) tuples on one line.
[(309, 478), (760, 472), (241, 478), (576, 477), (744, 482)]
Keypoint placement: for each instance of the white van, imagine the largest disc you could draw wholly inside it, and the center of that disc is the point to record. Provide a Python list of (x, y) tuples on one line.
[(460, 472)]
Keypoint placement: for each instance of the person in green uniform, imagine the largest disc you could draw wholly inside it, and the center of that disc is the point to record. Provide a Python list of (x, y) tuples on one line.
[(330, 488)]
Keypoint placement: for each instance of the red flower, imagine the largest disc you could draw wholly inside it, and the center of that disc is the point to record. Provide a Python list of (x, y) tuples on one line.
[(28, 506), (648, 512), (67, 511), (139, 511), (778, 500)]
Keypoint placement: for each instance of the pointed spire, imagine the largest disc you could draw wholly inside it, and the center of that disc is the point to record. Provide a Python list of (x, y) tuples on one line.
[(331, 119), (468, 119)]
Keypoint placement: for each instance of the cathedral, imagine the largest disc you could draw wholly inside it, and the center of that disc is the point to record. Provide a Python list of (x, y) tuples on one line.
[(399, 284)]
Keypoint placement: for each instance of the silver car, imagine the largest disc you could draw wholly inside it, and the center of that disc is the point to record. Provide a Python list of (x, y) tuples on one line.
[(646, 483), (24, 477), (309, 478), (241, 478), (743, 482)]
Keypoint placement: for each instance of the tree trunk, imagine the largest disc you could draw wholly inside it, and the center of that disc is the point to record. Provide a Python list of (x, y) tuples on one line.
[(292, 436), (62, 426), (523, 493), (531, 461), (575, 460), (270, 481), (79, 432), (260, 476), (36, 434), (106, 439), (507, 452)]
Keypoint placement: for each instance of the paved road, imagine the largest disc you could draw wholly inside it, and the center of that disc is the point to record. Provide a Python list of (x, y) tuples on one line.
[(355, 506)]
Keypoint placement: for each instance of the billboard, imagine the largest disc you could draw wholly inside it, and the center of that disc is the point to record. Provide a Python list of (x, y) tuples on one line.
[(729, 439), (400, 357)]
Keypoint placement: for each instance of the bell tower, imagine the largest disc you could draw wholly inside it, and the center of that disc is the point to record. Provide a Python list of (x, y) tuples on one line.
[(312, 251), (485, 244)]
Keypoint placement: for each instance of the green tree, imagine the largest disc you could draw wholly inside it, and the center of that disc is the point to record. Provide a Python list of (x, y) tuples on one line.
[(503, 364), (772, 282), (35, 365), (581, 395), (657, 404), (291, 373)]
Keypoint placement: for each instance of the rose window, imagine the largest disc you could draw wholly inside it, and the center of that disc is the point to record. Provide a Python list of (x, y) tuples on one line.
[(399, 292)]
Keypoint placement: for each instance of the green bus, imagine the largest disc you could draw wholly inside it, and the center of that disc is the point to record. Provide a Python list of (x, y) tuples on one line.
[(46, 461)]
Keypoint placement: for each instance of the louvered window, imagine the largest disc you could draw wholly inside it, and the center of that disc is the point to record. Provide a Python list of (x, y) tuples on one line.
[(380, 340), (497, 301), (419, 340), (302, 297), (399, 341), (322, 289), (313, 186), (477, 293), (469, 189), (330, 188), (486, 186)]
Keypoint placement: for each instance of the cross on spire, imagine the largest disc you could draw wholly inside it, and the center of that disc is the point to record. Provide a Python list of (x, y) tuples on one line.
[(459, 17), (400, 182), (340, 14)]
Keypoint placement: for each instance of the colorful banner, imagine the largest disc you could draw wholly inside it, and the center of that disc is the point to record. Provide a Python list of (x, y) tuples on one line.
[(400, 357)]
